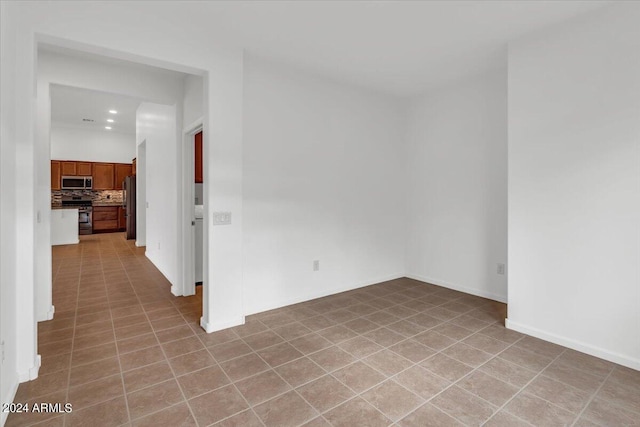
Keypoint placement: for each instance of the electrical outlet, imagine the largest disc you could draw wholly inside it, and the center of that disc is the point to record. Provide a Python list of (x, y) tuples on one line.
[(500, 268), (316, 265)]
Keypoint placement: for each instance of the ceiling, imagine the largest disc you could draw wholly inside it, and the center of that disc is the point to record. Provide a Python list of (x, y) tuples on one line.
[(70, 105), (400, 48), (397, 47)]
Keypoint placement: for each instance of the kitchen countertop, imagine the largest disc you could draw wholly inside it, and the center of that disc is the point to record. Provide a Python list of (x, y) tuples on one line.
[(100, 204)]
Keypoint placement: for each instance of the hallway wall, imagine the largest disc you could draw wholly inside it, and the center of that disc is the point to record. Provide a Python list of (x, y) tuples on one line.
[(156, 127), (574, 184), (8, 213)]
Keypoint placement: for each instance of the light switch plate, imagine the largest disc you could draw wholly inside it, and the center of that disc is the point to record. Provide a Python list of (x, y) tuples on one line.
[(221, 218)]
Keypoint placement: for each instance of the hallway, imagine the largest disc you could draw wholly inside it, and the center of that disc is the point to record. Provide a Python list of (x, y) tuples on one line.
[(123, 351), (113, 311)]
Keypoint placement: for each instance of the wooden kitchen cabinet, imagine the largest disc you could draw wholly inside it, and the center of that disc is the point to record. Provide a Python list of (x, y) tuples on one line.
[(105, 218), (198, 157), (55, 175), (123, 170), (68, 168), (84, 168), (104, 176), (122, 219)]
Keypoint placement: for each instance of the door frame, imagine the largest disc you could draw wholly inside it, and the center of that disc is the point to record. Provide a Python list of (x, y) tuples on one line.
[(188, 211)]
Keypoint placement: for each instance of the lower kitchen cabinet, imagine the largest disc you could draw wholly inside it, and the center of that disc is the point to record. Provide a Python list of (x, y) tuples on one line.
[(105, 219)]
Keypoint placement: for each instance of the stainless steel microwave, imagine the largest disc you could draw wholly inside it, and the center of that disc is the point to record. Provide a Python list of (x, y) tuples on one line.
[(77, 183)]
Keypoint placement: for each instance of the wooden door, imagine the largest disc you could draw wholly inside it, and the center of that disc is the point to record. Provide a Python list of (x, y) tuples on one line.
[(103, 176), (55, 175), (123, 170), (84, 168), (68, 168), (198, 157)]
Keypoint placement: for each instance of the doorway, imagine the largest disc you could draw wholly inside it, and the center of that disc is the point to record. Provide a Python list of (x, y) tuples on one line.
[(193, 207), (86, 69)]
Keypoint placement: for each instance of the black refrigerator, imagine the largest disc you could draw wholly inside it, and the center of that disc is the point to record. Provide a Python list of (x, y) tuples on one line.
[(129, 205)]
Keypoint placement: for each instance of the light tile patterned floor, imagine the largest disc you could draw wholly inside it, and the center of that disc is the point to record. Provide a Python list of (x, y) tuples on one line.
[(124, 351)]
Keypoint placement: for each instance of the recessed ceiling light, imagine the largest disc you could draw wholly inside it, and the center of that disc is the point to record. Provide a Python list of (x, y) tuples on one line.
[(109, 120), (108, 127), (113, 111)]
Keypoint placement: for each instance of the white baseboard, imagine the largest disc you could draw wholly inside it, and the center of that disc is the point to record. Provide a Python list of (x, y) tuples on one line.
[(8, 398), (43, 317), (333, 291), (32, 372), (175, 292), (575, 345), (213, 327), (473, 291)]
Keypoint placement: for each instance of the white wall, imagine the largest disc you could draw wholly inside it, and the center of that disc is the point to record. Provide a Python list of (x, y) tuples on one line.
[(8, 219), (456, 230), (156, 127), (322, 175), (574, 184), (93, 146), (193, 99)]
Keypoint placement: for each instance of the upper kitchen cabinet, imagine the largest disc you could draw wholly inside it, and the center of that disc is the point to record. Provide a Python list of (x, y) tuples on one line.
[(123, 170), (71, 168), (68, 168), (198, 158), (103, 176), (55, 175), (84, 168)]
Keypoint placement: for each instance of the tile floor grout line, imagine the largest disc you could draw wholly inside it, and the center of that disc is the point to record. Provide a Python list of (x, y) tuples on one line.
[(380, 350), (113, 331), (293, 388), (592, 397), (504, 405), (166, 359), (64, 420), (231, 382), (454, 383)]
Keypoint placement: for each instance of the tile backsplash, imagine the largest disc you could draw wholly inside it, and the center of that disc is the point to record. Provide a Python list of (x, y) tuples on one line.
[(99, 196)]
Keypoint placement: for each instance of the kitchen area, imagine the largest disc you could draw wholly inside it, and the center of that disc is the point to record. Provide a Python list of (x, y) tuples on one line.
[(111, 129), (93, 165), (91, 197)]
